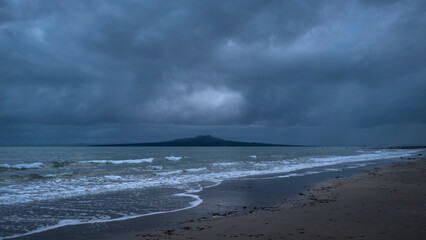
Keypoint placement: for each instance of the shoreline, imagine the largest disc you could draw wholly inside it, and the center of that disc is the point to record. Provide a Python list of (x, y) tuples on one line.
[(386, 202), (221, 201)]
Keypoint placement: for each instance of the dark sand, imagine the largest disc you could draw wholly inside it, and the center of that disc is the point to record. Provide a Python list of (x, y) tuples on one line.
[(384, 203)]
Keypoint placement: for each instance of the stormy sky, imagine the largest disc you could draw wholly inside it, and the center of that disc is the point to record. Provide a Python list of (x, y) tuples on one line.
[(292, 72)]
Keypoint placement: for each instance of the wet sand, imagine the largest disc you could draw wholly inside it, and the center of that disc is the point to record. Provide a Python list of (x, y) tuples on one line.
[(386, 202)]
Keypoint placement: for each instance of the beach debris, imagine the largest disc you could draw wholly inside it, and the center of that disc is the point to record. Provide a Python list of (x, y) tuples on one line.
[(252, 211), (149, 235), (169, 231), (231, 213)]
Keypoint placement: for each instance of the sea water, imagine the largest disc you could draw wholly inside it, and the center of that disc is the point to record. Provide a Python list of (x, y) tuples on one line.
[(48, 187)]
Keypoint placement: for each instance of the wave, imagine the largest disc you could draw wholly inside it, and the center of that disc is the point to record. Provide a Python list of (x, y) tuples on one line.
[(35, 176), (61, 164), (31, 177), (169, 173), (225, 164), (113, 177), (363, 157), (173, 158), (22, 166), (195, 169), (68, 174), (72, 187), (155, 167), (129, 161)]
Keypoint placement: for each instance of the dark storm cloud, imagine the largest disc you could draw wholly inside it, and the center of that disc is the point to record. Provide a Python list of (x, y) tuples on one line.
[(83, 71)]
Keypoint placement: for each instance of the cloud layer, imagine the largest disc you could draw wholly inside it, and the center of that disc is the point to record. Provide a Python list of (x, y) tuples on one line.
[(317, 72)]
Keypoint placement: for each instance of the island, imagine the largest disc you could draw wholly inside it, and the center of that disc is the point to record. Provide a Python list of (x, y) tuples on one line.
[(199, 141)]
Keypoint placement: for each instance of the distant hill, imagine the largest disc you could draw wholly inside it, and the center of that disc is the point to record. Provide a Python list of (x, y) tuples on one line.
[(198, 141)]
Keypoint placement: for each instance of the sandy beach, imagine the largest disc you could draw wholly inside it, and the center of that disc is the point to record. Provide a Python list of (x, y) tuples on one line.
[(384, 203)]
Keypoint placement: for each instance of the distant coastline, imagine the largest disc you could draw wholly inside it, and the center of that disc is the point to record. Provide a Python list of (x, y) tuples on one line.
[(198, 141)]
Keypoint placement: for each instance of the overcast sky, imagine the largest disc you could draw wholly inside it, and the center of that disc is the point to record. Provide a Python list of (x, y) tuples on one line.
[(293, 72)]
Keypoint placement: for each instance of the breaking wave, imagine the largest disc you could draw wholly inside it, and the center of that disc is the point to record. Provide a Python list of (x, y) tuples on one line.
[(173, 158), (22, 166), (129, 161)]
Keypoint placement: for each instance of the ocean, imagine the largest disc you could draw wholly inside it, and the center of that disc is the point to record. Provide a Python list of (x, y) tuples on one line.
[(42, 188)]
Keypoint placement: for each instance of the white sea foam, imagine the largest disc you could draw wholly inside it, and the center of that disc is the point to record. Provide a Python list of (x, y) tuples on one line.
[(356, 166), (22, 166), (128, 161), (366, 157), (264, 164), (311, 172), (332, 169), (225, 164), (5, 165), (196, 169), (173, 158), (67, 174), (169, 173), (49, 175), (292, 175), (112, 177)]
